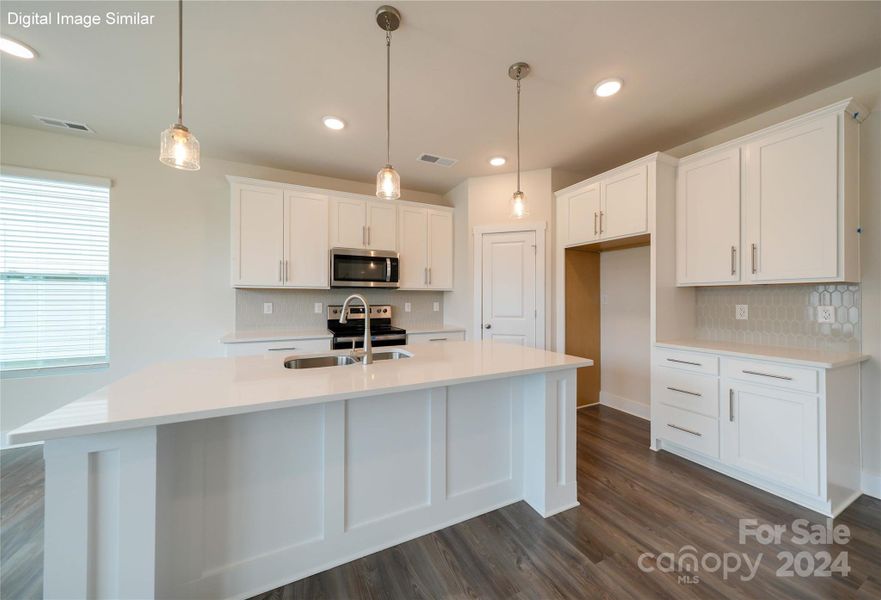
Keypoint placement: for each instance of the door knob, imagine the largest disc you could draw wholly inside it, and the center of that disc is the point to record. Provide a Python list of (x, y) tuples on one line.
[(488, 326)]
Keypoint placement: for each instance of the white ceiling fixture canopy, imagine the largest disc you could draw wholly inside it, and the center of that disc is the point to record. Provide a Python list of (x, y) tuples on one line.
[(608, 87), (388, 182), (178, 147), (16, 48)]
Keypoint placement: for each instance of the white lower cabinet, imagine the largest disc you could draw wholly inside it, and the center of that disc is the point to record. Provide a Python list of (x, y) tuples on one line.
[(435, 336), (773, 434), (280, 348), (788, 429)]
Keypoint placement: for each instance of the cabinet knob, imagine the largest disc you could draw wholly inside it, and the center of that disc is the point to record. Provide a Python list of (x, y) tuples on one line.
[(488, 326)]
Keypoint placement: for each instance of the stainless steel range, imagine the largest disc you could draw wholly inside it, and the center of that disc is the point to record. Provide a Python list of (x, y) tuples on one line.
[(351, 334)]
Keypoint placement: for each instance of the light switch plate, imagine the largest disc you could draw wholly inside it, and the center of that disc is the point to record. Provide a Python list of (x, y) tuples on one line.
[(407, 307), (436, 306), (319, 307), (741, 312), (825, 314), (267, 308)]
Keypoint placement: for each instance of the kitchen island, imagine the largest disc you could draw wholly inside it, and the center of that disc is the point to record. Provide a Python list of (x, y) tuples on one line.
[(222, 478)]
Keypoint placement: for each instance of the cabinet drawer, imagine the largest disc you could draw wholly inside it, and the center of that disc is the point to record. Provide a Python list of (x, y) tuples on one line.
[(689, 430), (687, 361), (800, 379), (278, 347), (689, 391), (444, 336)]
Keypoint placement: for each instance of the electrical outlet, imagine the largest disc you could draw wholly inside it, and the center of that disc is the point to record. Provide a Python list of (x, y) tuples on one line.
[(407, 307), (825, 314), (436, 306), (267, 308), (319, 307), (741, 312)]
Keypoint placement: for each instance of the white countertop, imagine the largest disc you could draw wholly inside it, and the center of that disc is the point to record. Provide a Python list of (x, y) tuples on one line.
[(807, 357), (275, 335), (436, 329), (188, 390)]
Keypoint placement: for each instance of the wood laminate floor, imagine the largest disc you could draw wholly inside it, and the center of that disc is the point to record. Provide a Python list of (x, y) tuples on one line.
[(633, 501)]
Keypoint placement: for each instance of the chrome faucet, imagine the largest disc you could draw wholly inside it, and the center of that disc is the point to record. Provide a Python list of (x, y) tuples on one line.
[(344, 315)]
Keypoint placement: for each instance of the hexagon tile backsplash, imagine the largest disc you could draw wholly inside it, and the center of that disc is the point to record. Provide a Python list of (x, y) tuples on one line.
[(781, 315)]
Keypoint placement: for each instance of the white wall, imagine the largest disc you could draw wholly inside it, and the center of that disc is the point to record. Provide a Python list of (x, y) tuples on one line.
[(865, 89), (486, 201), (625, 328), (169, 257)]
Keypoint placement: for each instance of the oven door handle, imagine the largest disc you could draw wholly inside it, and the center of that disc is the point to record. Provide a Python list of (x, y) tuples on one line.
[(360, 338)]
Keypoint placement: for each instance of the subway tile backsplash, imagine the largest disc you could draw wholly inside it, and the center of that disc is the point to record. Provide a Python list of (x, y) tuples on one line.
[(781, 315), (294, 309)]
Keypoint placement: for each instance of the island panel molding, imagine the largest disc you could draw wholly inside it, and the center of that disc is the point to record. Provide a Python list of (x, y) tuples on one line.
[(293, 472)]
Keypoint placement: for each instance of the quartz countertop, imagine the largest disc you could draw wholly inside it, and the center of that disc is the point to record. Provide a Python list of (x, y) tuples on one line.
[(435, 329), (189, 390), (807, 357), (275, 335)]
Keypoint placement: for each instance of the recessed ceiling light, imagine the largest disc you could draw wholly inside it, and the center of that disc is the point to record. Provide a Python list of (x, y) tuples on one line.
[(10, 46), (608, 87), (497, 161), (333, 123)]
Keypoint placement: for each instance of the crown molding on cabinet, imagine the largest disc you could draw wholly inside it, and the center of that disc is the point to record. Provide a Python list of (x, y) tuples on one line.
[(849, 106), (654, 157), (325, 191)]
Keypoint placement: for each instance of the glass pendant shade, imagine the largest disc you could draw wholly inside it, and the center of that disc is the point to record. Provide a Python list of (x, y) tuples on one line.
[(179, 148), (388, 183), (518, 205)]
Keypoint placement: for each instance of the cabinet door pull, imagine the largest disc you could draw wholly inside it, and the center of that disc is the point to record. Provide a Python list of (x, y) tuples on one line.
[(279, 270), (368, 235), (753, 258), (731, 404), (601, 222), (733, 260), (437, 340), (287, 270), (429, 275), (684, 362), (760, 374), (595, 224), (673, 389), (282, 349), (685, 430)]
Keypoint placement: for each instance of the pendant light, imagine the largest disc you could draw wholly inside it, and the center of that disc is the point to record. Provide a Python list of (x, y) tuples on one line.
[(388, 182), (179, 148), (518, 71)]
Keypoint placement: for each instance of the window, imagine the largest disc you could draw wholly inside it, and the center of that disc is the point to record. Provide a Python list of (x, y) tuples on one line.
[(53, 270)]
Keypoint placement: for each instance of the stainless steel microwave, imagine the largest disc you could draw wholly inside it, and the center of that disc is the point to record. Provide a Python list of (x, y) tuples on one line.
[(353, 267)]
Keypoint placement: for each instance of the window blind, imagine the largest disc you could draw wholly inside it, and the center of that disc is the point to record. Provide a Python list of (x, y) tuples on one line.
[(53, 273)]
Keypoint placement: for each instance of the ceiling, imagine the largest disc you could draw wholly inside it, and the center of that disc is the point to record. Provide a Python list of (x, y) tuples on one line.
[(260, 75)]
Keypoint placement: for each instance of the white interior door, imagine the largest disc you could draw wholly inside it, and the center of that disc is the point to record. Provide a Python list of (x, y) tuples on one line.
[(508, 288)]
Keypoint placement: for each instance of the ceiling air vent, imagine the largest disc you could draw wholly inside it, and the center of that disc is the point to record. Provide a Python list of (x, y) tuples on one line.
[(64, 124), (441, 161)]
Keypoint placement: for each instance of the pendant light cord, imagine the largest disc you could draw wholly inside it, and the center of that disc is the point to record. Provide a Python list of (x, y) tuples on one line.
[(180, 62), (388, 93), (518, 134)]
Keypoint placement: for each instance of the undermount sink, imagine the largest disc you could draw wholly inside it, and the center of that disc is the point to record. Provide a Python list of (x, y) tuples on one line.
[(391, 355), (314, 362), (340, 360)]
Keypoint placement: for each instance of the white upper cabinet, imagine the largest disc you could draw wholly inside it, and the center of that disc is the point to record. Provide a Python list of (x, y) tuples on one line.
[(413, 224), (440, 250), (625, 204), (360, 223), (382, 225), (791, 203), (426, 238), (279, 238), (795, 202), (257, 236), (610, 206), (708, 219), (307, 252), (583, 216)]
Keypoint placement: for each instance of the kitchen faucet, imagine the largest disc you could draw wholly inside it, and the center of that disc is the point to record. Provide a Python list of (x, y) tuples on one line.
[(344, 314)]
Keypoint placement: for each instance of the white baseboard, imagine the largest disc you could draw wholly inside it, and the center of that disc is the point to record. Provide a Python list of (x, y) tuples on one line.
[(871, 484), (587, 405), (631, 407)]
